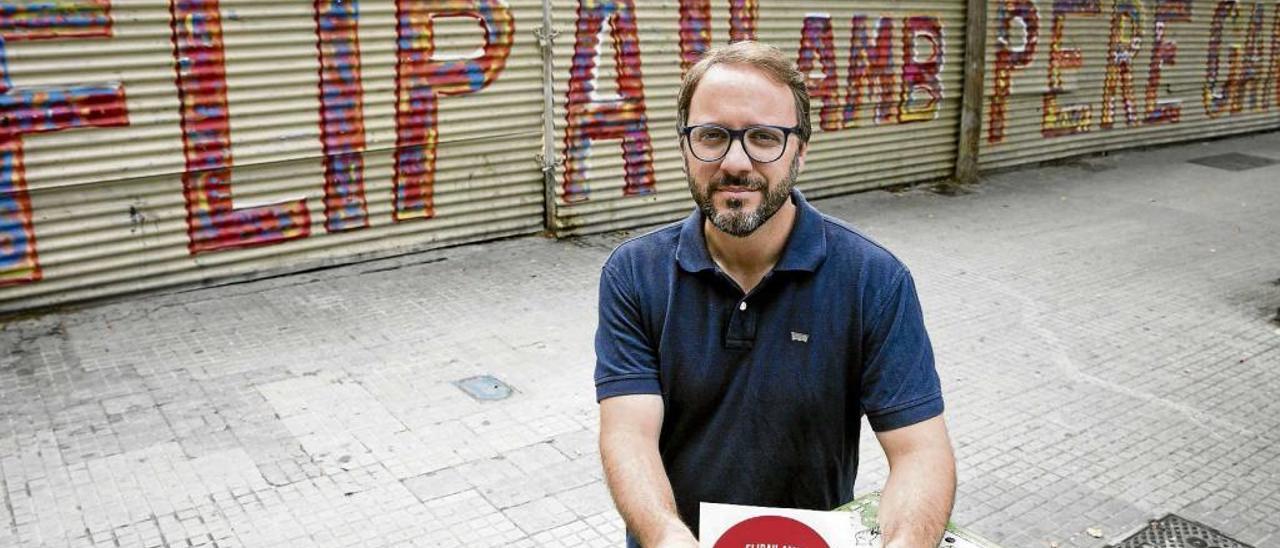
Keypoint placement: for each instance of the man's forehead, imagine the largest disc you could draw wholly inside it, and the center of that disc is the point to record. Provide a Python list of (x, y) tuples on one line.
[(741, 74), (746, 84)]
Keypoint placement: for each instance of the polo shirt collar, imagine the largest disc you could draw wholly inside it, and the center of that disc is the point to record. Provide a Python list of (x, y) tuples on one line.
[(807, 246), (805, 249)]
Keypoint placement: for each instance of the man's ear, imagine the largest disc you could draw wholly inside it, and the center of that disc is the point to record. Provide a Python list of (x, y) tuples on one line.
[(801, 153)]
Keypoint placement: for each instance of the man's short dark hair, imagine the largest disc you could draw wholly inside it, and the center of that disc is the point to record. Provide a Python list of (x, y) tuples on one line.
[(764, 58)]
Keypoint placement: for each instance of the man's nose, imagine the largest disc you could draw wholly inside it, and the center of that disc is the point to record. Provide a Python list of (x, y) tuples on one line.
[(736, 160)]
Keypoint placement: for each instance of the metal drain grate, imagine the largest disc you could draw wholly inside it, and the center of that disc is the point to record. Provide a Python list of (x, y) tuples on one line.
[(1175, 532), (484, 388), (1233, 161)]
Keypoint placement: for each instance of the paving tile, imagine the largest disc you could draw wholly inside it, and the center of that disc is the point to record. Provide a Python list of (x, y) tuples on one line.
[(437, 484), (535, 457), (588, 500), (540, 515)]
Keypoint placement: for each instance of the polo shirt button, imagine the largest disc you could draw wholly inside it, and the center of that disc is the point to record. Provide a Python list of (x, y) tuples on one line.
[(742, 305)]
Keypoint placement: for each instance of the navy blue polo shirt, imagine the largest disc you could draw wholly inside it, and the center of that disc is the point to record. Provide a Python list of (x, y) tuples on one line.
[(764, 392)]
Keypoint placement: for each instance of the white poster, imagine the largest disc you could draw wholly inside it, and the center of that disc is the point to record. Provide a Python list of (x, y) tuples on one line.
[(734, 526)]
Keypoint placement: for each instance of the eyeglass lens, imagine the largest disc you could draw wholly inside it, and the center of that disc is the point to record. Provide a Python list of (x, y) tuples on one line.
[(763, 144)]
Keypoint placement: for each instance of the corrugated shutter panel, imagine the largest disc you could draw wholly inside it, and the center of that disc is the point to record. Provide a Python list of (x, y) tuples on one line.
[(1214, 66), (149, 144), (599, 190), (177, 142)]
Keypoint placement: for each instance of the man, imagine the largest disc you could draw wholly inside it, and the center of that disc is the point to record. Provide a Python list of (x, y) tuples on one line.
[(738, 350)]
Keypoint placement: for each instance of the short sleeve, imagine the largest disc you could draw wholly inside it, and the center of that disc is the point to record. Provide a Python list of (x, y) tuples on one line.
[(626, 358), (900, 384)]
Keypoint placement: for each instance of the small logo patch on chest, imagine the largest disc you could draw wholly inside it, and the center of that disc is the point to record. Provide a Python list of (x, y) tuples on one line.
[(797, 336)]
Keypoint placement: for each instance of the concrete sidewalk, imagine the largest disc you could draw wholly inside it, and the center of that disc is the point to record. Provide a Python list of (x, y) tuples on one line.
[(1103, 328)]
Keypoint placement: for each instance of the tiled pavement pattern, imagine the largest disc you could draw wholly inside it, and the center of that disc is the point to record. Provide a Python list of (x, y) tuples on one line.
[(1103, 330)]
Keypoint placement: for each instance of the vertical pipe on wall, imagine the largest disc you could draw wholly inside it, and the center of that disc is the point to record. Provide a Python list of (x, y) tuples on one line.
[(975, 52), (547, 160)]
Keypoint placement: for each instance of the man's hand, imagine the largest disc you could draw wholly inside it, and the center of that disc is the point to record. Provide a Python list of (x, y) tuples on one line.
[(629, 430), (917, 498)]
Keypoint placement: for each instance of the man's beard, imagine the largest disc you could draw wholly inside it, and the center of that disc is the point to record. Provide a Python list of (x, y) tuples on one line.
[(734, 220)]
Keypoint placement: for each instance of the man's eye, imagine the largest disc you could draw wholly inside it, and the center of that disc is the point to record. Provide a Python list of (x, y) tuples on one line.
[(764, 138), (711, 137)]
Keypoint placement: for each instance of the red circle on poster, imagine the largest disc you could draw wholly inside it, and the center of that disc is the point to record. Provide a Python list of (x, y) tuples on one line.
[(771, 531)]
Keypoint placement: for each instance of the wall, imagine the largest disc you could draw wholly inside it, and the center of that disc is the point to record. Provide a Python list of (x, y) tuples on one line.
[(150, 144), (1069, 77), (885, 81), (186, 142)]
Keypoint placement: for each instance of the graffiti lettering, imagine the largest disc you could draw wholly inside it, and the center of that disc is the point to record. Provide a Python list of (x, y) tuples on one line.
[(871, 70), (26, 111), (213, 222), (695, 27), (45, 20), (1059, 120), (1275, 55), (1163, 52), (1122, 48), (1242, 74), (742, 19), (1252, 81), (871, 65), (341, 114), (921, 75), (1216, 96), (421, 80), (817, 48), (1244, 62), (1010, 58), (592, 118)]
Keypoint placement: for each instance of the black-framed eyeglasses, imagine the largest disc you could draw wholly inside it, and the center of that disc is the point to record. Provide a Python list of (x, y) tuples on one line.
[(762, 143)]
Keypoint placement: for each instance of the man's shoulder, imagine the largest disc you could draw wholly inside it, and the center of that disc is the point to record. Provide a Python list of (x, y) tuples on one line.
[(856, 248), (648, 249)]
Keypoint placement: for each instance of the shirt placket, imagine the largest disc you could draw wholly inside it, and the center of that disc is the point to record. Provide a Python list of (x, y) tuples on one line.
[(740, 334)]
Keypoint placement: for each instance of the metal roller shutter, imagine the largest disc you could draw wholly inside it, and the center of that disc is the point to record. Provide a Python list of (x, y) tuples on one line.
[(1074, 77), (618, 69), (158, 143), (147, 144)]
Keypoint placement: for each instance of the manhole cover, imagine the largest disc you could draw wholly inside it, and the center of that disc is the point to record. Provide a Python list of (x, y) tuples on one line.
[(1233, 161), (1174, 532), (484, 388)]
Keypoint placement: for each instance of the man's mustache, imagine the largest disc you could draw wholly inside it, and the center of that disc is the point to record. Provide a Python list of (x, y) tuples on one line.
[(749, 183)]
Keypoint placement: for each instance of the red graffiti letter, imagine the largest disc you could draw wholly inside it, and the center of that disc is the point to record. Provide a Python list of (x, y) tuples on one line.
[(871, 65), (1253, 78), (1252, 84), (41, 110), (341, 114), (817, 47), (213, 223), (592, 118), (1010, 58), (695, 27), (921, 83), (1216, 94), (1243, 66), (742, 19), (1122, 48), (1163, 53), (1065, 120), (421, 81)]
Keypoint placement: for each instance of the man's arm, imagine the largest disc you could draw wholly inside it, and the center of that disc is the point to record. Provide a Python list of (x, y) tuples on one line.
[(917, 498), (629, 430)]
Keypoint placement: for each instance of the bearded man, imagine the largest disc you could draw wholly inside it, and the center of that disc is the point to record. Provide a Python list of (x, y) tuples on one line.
[(737, 351)]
